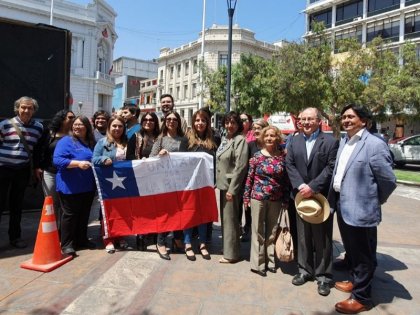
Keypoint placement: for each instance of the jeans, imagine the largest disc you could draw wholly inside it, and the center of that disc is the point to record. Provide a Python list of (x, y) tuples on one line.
[(202, 234), (48, 187)]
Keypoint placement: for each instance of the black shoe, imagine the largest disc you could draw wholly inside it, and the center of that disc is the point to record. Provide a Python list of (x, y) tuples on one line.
[(141, 243), (18, 243), (262, 273), (323, 288), (205, 256), (341, 264), (86, 245), (68, 251), (190, 257), (300, 279), (272, 269), (163, 256)]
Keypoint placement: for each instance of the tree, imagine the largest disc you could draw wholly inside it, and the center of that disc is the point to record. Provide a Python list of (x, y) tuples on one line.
[(253, 84), (215, 82)]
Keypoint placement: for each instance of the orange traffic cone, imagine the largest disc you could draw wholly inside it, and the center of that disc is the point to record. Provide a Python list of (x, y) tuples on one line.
[(47, 253)]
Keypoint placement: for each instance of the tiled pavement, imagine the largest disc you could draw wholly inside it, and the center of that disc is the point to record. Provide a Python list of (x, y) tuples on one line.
[(133, 282)]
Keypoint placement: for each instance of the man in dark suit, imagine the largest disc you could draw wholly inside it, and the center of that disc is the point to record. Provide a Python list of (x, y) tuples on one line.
[(310, 162), (363, 180)]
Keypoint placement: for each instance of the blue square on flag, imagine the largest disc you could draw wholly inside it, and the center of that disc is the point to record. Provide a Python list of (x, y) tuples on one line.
[(117, 180)]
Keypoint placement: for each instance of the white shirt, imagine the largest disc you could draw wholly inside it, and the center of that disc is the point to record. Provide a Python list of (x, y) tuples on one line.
[(344, 158), (310, 142)]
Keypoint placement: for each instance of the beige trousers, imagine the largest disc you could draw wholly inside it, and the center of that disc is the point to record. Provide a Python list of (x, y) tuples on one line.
[(264, 215)]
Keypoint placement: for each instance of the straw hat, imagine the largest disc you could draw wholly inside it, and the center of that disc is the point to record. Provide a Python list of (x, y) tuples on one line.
[(314, 210)]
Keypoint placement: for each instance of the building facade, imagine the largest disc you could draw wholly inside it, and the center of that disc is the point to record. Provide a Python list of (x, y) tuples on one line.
[(178, 70), (128, 74), (93, 39), (396, 21)]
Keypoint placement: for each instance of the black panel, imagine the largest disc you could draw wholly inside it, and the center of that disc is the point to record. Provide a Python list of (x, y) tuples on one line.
[(35, 62)]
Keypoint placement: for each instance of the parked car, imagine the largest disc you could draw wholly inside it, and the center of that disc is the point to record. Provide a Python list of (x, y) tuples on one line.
[(406, 151)]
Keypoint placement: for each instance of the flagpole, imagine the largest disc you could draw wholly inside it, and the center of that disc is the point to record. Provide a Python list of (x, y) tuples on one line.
[(200, 100), (51, 12)]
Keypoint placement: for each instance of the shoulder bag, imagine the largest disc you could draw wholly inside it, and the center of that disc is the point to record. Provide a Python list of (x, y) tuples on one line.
[(284, 242)]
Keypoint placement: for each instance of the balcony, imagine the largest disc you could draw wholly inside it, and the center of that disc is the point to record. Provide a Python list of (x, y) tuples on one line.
[(410, 2), (412, 35), (383, 10)]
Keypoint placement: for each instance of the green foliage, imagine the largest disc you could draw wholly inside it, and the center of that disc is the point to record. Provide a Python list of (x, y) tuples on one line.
[(215, 82)]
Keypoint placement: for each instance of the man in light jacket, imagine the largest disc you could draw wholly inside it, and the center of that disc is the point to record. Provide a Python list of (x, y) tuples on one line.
[(363, 180)]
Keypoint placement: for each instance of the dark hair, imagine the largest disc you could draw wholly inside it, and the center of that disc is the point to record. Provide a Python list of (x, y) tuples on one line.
[(361, 111), (194, 139), (179, 130), (134, 110), (98, 113), (108, 133), (167, 95), (249, 118), (232, 115), (90, 139), (156, 129), (57, 121)]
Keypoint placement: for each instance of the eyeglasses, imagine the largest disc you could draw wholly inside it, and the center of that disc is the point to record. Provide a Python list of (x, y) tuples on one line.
[(71, 117), (78, 125), (148, 120), (309, 119), (172, 119), (244, 119)]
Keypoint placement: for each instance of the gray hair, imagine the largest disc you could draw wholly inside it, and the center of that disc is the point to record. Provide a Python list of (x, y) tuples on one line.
[(25, 98)]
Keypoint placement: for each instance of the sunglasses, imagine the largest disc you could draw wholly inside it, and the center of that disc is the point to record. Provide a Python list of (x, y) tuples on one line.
[(148, 120), (71, 117), (244, 119), (172, 119)]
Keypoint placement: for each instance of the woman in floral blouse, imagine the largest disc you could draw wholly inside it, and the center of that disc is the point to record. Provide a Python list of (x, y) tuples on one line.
[(266, 191)]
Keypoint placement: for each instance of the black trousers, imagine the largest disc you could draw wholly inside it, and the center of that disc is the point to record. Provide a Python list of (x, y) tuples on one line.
[(315, 248), (13, 183), (361, 251), (75, 218)]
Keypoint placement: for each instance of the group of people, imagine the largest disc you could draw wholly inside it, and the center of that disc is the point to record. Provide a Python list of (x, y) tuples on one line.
[(256, 170)]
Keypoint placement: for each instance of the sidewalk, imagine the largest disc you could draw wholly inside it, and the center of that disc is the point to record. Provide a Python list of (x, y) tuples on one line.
[(133, 282)]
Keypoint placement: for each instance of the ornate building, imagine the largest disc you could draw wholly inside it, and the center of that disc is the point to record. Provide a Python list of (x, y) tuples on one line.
[(178, 71), (93, 39)]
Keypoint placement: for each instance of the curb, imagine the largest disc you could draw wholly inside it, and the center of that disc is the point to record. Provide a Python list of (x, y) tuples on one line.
[(408, 183)]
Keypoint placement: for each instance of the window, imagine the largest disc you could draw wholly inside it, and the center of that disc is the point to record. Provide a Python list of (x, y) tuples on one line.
[(178, 71), (171, 91), (223, 58), (387, 29), (161, 75), (186, 96), (194, 90), (324, 16), (187, 68), (348, 12), (171, 70), (354, 32), (380, 6), (195, 66), (412, 25), (178, 96)]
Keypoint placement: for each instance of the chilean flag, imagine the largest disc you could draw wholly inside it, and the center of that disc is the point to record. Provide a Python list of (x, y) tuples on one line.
[(159, 194)]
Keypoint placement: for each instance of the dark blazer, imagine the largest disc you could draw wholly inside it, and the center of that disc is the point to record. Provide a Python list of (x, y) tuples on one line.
[(367, 183), (315, 171)]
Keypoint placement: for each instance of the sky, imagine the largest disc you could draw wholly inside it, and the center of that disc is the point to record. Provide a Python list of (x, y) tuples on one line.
[(145, 26)]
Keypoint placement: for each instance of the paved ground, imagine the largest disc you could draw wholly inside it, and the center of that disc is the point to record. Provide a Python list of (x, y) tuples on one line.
[(133, 282)]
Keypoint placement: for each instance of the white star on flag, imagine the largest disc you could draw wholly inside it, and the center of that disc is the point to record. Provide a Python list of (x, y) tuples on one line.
[(116, 181)]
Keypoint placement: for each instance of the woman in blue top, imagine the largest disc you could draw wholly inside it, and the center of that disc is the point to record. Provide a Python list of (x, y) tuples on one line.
[(114, 147), (75, 184)]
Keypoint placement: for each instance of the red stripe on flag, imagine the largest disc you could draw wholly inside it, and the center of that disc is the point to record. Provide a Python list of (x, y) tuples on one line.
[(160, 213)]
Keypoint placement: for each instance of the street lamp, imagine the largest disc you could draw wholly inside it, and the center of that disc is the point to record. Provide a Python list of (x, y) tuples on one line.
[(231, 10), (80, 107)]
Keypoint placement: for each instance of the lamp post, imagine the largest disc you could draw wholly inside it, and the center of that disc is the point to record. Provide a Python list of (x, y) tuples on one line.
[(231, 10)]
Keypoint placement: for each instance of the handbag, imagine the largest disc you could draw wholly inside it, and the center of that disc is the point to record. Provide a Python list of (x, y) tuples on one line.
[(284, 242)]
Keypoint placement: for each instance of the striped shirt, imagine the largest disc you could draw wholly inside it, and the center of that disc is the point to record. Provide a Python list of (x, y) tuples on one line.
[(12, 150)]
